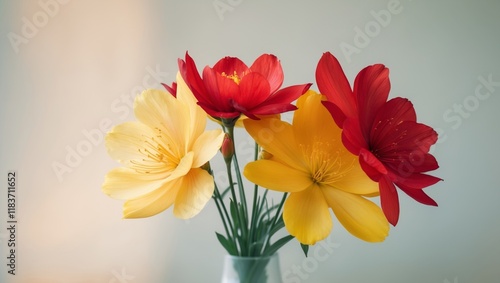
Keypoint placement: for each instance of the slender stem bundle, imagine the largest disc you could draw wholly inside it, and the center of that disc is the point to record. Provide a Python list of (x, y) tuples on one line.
[(247, 233)]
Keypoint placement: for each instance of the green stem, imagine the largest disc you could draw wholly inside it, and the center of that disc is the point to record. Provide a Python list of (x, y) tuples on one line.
[(243, 213), (230, 179), (240, 218), (240, 184), (255, 190), (275, 220), (278, 211), (238, 173), (223, 212)]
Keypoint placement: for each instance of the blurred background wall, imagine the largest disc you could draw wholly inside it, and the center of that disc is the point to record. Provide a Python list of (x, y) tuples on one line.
[(71, 68)]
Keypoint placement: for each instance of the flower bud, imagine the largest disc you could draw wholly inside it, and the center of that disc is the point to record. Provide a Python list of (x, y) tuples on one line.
[(227, 148)]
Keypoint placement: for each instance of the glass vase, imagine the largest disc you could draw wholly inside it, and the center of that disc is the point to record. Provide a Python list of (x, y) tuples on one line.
[(251, 269)]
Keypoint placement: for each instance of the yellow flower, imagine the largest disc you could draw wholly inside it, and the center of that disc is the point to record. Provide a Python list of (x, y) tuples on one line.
[(162, 153), (308, 160)]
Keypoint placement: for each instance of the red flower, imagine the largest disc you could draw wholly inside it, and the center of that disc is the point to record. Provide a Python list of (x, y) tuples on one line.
[(393, 148), (230, 88)]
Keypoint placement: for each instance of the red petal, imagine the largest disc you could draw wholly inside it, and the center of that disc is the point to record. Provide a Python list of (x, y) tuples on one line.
[(269, 66), (413, 180), (230, 65), (418, 195), (410, 164), (373, 162), (405, 137), (427, 162), (229, 91), (401, 109), (390, 116), (191, 76), (171, 89), (406, 147), (394, 122), (352, 137), (419, 136), (389, 200), (219, 114), (371, 172), (267, 109), (337, 114), (288, 94), (333, 83), (371, 89), (253, 90), (220, 90)]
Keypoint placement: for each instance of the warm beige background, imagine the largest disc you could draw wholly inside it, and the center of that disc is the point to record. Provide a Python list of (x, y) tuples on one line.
[(79, 67)]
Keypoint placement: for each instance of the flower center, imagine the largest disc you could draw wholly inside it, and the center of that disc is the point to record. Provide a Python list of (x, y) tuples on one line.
[(325, 163), (158, 157), (383, 148), (233, 77)]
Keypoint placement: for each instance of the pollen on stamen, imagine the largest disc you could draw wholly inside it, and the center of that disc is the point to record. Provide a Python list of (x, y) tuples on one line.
[(325, 165), (233, 77), (156, 159)]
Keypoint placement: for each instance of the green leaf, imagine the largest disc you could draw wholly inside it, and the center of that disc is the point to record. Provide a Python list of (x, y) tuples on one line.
[(228, 245), (255, 248), (277, 245), (278, 226), (238, 226), (234, 215), (305, 248)]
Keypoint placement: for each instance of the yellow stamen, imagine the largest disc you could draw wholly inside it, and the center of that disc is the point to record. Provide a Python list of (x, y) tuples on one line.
[(233, 77), (325, 165), (158, 157)]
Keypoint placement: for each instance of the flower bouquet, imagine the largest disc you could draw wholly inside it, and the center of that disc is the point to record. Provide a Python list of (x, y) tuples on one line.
[(343, 146)]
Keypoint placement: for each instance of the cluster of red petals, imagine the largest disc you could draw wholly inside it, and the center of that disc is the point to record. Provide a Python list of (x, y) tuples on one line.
[(230, 88), (393, 148)]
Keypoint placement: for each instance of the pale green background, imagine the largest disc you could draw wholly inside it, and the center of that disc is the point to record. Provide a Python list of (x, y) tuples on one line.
[(73, 72)]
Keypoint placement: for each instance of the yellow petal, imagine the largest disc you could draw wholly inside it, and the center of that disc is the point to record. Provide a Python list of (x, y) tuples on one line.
[(239, 122), (125, 183), (314, 126), (159, 109), (152, 203), (206, 147), (361, 217), (306, 216), (277, 138), (182, 168), (276, 176), (196, 190), (313, 123), (356, 181), (124, 142)]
